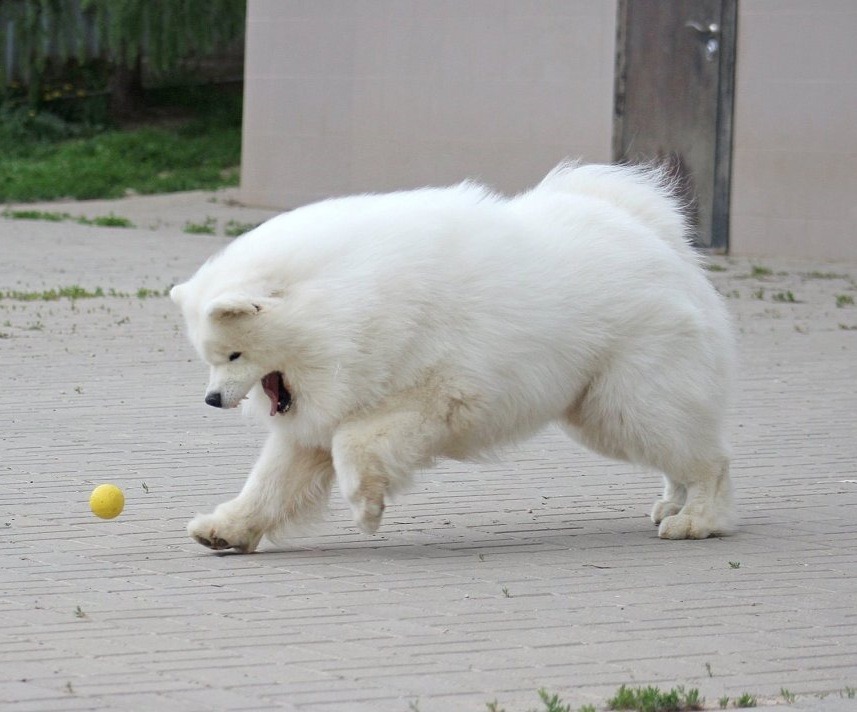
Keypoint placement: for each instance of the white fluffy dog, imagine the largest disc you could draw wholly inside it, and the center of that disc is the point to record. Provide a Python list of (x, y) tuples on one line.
[(377, 333)]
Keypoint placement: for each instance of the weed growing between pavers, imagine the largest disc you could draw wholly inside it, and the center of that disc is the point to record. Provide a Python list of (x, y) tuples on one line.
[(75, 292), (746, 700), (786, 297), (207, 227), (652, 699), (109, 220), (233, 228)]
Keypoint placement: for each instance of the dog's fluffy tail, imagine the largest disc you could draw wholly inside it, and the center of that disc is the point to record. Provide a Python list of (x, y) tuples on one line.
[(647, 192)]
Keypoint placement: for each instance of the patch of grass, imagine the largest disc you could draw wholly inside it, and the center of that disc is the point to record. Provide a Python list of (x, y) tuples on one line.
[(553, 703), (652, 699), (712, 267), (78, 613), (115, 163), (233, 228), (787, 695), (759, 271), (207, 227), (734, 564), (723, 702), (824, 275), (109, 220), (759, 293), (75, 292), (51, 295), (849, 693), (786, 297), (746, 700), (843, 300), (35, 215), (145, 293), (505, 591)]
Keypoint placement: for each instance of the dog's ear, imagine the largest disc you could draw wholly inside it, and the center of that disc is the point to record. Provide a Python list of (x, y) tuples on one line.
[(177, 294), (237, 304)]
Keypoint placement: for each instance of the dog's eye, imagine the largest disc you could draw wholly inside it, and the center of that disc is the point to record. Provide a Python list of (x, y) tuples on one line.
[(234, 355)]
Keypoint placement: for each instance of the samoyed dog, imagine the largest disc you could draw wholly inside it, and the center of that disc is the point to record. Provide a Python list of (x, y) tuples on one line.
[(376, 333)]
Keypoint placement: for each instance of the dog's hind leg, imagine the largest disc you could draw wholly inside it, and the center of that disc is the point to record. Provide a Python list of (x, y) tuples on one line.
[(708, 509), (288, 485), (673, 427), (673, 499)]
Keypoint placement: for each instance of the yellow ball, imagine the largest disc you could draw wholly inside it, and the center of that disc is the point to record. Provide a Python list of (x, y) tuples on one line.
[(106, 501)]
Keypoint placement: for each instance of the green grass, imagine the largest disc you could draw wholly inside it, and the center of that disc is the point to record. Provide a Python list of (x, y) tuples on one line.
[(109, 220), (746, 700), (759, 271), (824, 275), (234, 228), (74, 292), (198, 148), (843, 300), (786, 297), (652, 699), (553, 703), (207, 227), (115, 163)]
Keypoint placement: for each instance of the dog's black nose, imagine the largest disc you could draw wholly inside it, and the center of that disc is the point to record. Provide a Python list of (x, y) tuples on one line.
[(214, 399)]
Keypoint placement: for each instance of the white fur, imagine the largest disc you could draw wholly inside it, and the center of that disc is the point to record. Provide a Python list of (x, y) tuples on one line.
[(447, 322)]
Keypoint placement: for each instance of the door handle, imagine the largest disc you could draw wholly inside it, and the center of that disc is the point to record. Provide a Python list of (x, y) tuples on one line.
[(710, 34), (705, 31)]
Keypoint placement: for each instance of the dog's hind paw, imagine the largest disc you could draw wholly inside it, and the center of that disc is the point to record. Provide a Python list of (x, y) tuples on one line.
[(664, 508), (208, 530), (683, 526)]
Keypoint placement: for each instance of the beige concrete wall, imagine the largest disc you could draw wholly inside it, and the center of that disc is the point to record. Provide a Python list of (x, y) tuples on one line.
[(794, 179), (348, 96)]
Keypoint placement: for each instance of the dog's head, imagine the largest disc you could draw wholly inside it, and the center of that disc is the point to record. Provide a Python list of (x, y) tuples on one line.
[(226, 331)]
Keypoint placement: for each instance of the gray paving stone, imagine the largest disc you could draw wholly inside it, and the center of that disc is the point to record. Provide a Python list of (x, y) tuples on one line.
[(108, 389)]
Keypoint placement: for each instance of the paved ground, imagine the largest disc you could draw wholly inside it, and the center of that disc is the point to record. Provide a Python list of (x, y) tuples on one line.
[(486, 583)]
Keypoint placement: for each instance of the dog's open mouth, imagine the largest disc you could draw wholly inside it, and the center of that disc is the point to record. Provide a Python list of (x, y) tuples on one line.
[(275, 388)]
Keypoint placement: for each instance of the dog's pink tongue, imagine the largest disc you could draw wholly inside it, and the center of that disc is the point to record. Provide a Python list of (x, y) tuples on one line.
[(271, 386)]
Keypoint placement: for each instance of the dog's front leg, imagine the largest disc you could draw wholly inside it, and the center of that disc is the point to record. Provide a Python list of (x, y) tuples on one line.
[(375, 455), (289, 484)]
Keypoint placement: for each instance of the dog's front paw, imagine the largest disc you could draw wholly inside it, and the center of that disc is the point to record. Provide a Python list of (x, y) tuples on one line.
[(367, 514), (219, 533)]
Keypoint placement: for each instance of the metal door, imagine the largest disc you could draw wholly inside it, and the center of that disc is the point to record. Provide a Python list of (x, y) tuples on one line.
[(674, 88)]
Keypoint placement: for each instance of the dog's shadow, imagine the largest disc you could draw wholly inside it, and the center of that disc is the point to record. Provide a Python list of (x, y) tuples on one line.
[(462, 543)]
